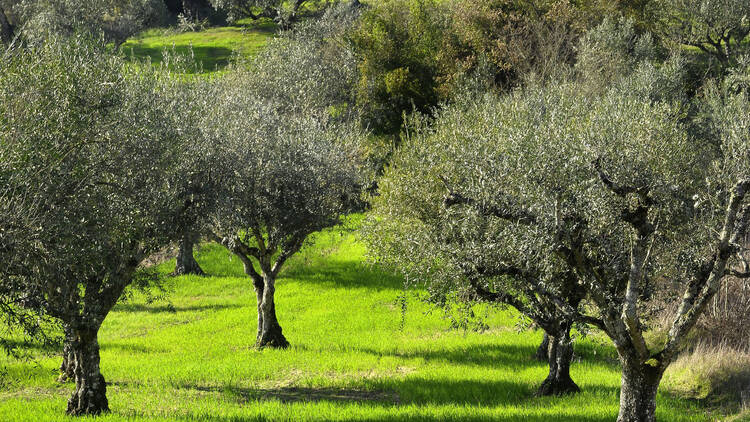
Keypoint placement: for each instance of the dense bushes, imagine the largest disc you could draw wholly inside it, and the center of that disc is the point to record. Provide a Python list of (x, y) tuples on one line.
[(115, 21), (415, 54)]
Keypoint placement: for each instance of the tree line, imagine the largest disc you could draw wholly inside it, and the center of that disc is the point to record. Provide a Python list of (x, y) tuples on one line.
[(577, 162)]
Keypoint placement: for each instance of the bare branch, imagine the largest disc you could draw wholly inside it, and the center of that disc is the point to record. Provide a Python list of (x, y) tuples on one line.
[(516, 214), (702, 290)]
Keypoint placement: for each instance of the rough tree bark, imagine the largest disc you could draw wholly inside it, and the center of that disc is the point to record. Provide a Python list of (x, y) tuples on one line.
[(67, 368), (270, 334), (90, 395), (560, 355), (258, 285), (638, 388), (186, 263), (6, 30), (542, 352)]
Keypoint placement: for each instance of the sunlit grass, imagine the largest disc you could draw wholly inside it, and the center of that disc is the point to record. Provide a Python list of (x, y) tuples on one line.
[(354, 355), (211, 49)]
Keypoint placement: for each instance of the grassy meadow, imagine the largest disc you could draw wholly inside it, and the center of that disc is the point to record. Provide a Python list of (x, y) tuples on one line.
[(212, 49), (356, 355)]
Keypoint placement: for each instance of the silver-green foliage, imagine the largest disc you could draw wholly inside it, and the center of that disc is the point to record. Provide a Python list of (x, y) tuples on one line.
[(611, 185), (718, 27), (306, 69), (291, 154), (114, 20), (91, 164)]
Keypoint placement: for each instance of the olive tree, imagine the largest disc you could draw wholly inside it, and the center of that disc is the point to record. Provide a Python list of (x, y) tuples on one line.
[(293, 148), (613, 188), (307, 68), (290, 176), (114, 20), (289, 153), (89, 160), (460, 252), (196, 184)]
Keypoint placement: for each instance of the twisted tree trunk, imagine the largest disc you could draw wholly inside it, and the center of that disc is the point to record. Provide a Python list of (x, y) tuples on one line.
[(186, 263), (542, 352), (90, 395), (6, 30), (639, 385), (269, 330), (560, 354), (67, 368)]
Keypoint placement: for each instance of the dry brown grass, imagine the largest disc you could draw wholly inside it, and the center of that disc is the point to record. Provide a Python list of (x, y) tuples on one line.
[(718, 375)]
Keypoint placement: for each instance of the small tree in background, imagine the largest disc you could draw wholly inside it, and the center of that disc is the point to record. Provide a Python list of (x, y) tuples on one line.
[(292, 154), (188, 103), (291, 176), (90, 159)]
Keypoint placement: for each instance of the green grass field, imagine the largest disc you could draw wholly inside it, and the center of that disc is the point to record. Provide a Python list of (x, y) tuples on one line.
[(212, 48), (353, 356)]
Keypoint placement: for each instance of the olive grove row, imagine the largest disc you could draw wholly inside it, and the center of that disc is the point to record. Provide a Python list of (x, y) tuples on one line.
[(603, 188), (102, 163)]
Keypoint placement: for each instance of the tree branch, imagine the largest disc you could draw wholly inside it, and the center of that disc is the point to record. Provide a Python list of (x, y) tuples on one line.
[(243, 252), (701, 291), (517, 215), (287, 250)]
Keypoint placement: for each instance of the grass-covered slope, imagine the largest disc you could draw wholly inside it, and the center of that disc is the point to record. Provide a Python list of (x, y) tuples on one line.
[(351, 359)]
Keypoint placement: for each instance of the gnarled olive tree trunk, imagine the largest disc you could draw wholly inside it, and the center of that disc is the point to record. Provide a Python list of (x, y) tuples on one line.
[(67, 368), (186, 263), (542, 352), (559, 355), (90, 395), (6, 30), (638, 388), (269, 330)]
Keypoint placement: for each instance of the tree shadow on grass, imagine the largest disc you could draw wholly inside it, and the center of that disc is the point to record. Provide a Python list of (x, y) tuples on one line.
[(244, 395), (207, 59), (347, 274), (132, 348), (407, 392), (395, 391), (490, 356), (139, 307), (33, 346), (425, 418)]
